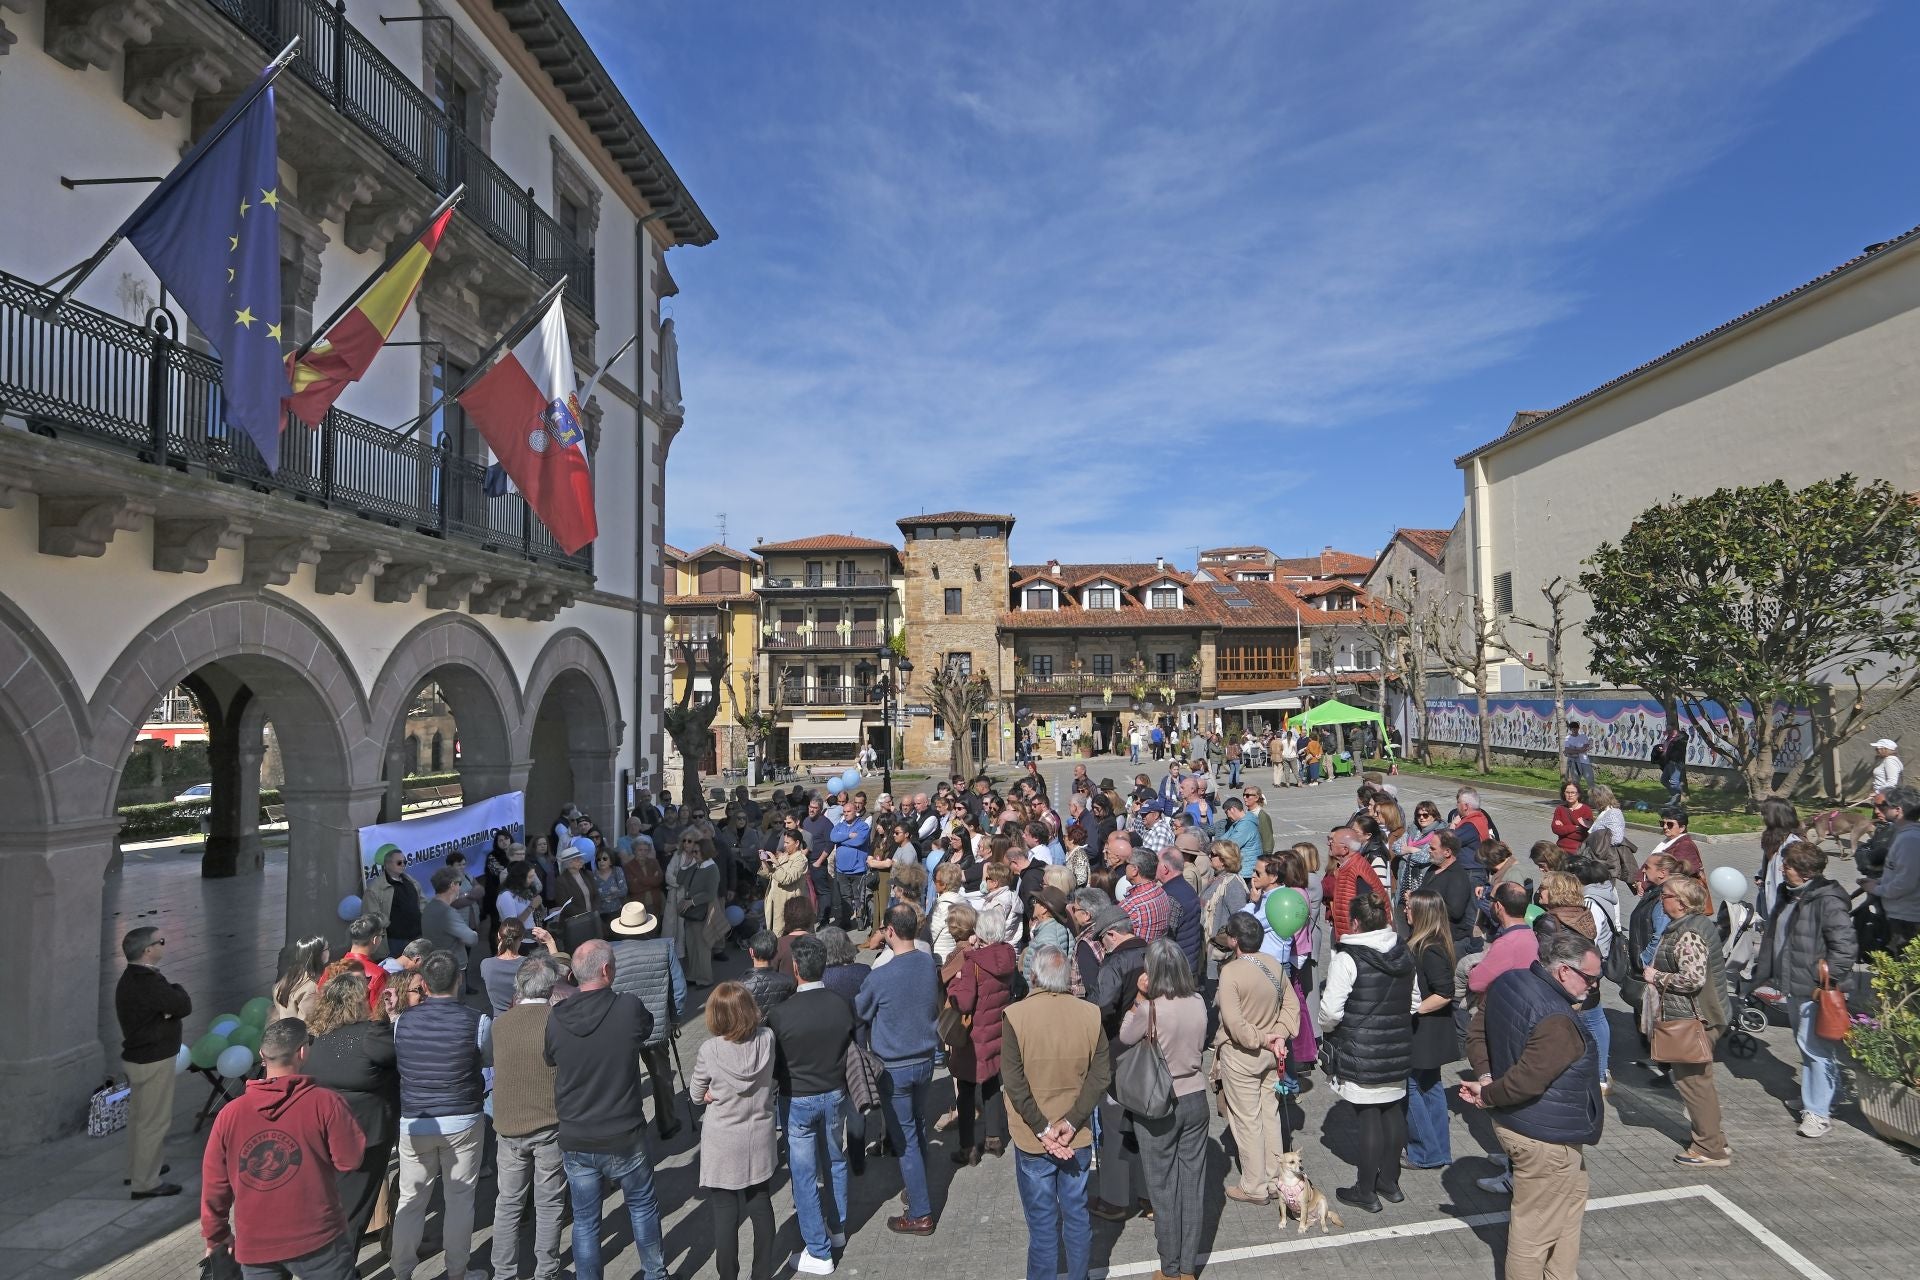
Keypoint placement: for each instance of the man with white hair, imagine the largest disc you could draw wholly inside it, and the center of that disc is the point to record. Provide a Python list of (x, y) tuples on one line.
[(1471, 826), (1351, 874), (926, 821), (1054, 1064)]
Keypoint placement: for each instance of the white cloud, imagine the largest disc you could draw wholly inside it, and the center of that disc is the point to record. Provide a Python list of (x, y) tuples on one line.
[(1131, 272)]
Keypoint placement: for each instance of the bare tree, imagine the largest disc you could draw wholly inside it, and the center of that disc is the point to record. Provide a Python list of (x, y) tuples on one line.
[(959, 697), (760, 722), (689, 722), (1400, 630), (1462, 635), (1556, 591)]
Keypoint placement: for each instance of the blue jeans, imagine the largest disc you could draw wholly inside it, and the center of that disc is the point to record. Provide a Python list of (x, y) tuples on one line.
[(1054, 1195), (1428, 1143), (904, 1086), (1233, 773), (810, 1121), (1595, 1021), (1819, 1069), (588, 1172)]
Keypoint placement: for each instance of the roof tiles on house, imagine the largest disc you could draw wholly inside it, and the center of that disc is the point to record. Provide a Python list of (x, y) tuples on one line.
[(953, 517), (826, 542)]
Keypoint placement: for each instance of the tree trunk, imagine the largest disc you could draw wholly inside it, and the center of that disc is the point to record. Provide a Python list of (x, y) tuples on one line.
[(1483, 761)]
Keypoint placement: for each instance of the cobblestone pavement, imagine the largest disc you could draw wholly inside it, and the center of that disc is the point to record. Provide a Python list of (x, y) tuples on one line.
[(1788, 1206)]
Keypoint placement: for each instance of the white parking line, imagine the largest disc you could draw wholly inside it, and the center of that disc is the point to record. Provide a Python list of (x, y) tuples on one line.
[(1309, 1243)]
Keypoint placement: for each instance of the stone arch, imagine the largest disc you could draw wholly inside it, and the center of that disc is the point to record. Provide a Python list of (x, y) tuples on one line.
[(46, 774), (279, 649), (572, 730), (476, 676)]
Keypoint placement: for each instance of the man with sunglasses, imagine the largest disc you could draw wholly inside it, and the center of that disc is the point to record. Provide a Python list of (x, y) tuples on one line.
[(1538, 1071), (150, 1010)]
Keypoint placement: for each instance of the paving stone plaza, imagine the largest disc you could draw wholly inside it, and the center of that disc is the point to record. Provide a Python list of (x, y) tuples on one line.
[(1788, 1206)]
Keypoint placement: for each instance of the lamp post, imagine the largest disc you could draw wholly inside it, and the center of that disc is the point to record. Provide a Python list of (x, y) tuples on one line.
[(894, 669)]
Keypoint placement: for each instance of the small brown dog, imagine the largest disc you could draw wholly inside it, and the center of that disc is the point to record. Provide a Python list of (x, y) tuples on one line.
[(1845, 827), (1300, 1199)]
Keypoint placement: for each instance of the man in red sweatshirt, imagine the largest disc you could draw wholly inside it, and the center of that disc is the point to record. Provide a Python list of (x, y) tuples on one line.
[(1351, 874), (270, 1165)]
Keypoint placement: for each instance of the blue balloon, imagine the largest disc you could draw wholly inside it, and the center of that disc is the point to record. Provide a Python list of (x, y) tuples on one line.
[(223, 1025), (349, 908), (235, 1061), (850, 780), (736, 915)]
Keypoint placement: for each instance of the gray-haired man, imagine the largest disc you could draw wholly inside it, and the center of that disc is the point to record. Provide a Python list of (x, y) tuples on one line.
[(527, 1125)]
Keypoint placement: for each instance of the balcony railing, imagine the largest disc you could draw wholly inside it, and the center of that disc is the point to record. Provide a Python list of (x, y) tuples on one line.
[(345, 68), (97, 377), (828, 581), (1075, 682), (813, 693), (867, 638)]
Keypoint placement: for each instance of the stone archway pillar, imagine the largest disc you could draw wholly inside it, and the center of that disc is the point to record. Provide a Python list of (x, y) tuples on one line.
[(393, 803), (51, 1057), (481, 779), (593, 787), (323, 855)]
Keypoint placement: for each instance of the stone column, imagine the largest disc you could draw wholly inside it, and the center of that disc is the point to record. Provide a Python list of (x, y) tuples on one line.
[(233, 811), (480, 780), (51, 1056), (323, 854), (393, 803), (594, 789)]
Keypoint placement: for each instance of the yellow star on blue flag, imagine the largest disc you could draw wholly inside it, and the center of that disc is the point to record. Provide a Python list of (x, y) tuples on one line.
[(211, 232)]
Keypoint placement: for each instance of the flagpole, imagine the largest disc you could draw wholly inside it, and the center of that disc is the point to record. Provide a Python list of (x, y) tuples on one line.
[(586, 392), (80, 273), (513, 334), (393, 259)]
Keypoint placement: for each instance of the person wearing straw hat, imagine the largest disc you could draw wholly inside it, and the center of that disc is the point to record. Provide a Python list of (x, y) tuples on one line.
[(648, 966)]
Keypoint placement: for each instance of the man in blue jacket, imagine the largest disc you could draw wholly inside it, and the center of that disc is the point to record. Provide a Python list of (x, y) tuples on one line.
[(1237, 825), (852, 838), (899, 1005)]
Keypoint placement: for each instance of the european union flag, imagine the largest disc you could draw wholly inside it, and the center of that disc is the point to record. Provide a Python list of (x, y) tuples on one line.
[(211, 232)]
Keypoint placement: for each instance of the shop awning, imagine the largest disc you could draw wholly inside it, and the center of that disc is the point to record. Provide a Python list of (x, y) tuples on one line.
[(809, 730)]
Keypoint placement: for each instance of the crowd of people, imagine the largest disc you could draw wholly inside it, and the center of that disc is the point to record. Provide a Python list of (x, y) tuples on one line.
[(1094, 973)]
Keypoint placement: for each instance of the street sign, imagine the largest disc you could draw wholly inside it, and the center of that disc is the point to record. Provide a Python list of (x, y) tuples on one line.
[(919, 709)]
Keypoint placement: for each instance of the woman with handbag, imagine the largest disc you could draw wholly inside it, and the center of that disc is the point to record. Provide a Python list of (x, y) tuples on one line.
[(1171, 1021), (978, 977), (1686, 1015), (1435, 1042), (1805, 949), (1366, 1046), (1259, 1015)]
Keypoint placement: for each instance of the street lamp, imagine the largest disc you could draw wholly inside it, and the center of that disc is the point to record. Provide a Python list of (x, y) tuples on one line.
[(897, 668)]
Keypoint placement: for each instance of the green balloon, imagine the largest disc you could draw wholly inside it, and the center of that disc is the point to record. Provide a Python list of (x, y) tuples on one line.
[(206, 1051), (1286, 911), (248, 1036), (1534, 913), (256, 1011)]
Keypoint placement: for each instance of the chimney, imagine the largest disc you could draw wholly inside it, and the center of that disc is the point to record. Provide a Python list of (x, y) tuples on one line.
[(1160, 562), (1053, 567)]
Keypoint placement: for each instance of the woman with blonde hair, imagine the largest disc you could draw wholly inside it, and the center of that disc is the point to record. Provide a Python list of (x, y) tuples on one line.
[(733, 1078), (1561, 898), (1687, 982), (352, 1054), (1435, 1042), (950, 882)]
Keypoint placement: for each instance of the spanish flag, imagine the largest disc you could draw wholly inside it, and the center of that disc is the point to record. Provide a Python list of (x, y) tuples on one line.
[(342, 356)]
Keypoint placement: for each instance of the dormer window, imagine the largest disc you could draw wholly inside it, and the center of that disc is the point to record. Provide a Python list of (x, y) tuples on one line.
[(1101, 598), (1037, 598), (1163, 598)]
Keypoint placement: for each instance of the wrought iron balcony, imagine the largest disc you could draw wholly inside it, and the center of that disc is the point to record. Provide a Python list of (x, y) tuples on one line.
[(863, 579), (360, 83), (816, 693), (92, 376)]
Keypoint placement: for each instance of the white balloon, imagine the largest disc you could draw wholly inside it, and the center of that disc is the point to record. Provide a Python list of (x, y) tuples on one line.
[(1729, 884), (182, 1060), (235, 1061)]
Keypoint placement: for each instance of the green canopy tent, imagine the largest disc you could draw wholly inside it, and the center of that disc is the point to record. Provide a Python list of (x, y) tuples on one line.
[(1334, 711)]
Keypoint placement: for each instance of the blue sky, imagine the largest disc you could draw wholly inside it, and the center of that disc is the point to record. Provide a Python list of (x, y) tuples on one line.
[(1156, 276)]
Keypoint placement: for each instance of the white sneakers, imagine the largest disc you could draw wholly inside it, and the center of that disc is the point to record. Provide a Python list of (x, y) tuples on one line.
[(808, 1265), (1813, 1126)]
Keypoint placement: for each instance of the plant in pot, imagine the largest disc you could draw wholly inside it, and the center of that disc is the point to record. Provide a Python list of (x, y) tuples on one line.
[(1885, 1045)]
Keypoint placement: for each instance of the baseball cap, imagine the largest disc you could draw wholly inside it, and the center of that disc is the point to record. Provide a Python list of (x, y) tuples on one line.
[(1886, 744), (1154, 806)]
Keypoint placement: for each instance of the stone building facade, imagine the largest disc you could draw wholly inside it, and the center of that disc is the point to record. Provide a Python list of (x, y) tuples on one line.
[(956, 566)]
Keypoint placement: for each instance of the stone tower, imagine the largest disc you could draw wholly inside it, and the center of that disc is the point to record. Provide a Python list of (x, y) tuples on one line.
[(957, 574)]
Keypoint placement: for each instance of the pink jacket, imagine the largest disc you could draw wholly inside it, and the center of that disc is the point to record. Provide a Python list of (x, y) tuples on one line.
[(1514, 947)]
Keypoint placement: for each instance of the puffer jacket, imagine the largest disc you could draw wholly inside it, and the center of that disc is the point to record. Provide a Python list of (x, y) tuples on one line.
[(1819, 928), (981, 989)]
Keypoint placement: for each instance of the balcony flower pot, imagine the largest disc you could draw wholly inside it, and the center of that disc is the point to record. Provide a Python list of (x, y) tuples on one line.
[(1885, 1045)]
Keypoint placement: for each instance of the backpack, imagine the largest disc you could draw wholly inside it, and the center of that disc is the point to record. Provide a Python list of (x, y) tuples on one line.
[(1616, 966)]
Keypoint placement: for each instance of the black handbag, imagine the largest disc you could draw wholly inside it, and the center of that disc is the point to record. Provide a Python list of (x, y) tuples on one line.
[(1141, 1082)]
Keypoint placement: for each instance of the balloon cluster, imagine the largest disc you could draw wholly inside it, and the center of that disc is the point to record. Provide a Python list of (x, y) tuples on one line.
[(845, 782), (232, 1044)]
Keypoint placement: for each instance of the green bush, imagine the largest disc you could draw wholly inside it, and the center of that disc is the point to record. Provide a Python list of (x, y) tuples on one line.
[(158, 821), (1886, 1042)]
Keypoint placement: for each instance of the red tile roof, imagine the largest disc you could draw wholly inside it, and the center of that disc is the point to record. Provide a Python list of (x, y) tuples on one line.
[(1234, 551), (1126, 574), (712, 548), (672, 550), (1431, 543), (1516, 427), (953, 517), (826, 542), (1329, 563)]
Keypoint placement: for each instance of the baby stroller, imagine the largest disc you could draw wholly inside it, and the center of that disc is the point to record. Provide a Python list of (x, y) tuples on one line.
[(1740, 927)]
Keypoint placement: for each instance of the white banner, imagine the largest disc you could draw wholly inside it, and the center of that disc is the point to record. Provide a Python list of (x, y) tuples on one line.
[(427, 841)]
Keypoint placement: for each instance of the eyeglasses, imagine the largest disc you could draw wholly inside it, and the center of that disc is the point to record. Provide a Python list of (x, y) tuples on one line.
[(1589, 980), (1668, 822)]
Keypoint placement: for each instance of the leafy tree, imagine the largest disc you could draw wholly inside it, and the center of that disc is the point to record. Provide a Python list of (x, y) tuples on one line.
[(1762, 600)]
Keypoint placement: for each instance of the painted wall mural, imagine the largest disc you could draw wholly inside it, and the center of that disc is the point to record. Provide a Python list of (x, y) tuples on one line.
[(1622, 728)]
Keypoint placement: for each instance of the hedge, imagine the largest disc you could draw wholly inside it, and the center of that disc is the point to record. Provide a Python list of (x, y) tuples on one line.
[(182, 817)]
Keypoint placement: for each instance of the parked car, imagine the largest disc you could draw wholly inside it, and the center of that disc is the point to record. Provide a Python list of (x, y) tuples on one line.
[(198, 791)]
